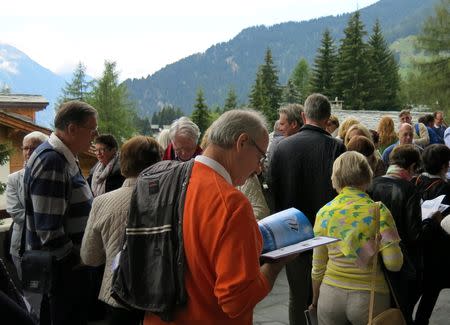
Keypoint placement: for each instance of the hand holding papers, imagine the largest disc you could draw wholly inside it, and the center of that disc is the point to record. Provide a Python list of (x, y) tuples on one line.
[(431, 206), (288, 232)]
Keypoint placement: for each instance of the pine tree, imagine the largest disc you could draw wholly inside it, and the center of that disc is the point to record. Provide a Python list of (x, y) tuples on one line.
[(166, 115), (300, 78), (322, 75), (115, 112), (435, 71), (352, 73), (384, 82), (265, 95), (291, 94), (231, 100), (200, 115), (79, 88)]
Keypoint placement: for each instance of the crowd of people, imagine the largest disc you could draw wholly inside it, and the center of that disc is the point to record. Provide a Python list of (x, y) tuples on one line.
[(332, 171)]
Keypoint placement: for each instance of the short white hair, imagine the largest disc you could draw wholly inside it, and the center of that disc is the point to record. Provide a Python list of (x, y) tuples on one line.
[(230, 125), (184, 126), (36, 136)]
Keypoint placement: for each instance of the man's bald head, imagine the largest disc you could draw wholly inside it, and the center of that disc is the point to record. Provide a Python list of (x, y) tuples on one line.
[(405, 133)]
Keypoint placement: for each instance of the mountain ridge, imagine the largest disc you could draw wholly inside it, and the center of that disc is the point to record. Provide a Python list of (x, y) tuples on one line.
[(234, 63)]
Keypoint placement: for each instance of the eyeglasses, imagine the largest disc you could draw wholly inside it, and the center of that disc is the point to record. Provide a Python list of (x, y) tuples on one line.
[(101, 150), (93, 131), (263, 154)]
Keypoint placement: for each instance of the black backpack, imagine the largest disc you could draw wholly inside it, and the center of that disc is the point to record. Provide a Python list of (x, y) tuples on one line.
[(150, 271)]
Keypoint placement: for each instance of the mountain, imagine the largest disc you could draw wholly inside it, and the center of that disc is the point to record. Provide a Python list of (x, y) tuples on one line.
[(234, 63), (23, 75)]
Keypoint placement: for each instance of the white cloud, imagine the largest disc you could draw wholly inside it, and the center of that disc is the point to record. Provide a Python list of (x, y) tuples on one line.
[(141, 36)]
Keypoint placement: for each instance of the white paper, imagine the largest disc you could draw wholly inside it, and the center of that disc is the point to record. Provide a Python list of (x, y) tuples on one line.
[(431, 206), (300, 247)]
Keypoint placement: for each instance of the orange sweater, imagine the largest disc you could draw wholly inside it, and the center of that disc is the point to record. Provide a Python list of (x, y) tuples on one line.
[(222, 245)]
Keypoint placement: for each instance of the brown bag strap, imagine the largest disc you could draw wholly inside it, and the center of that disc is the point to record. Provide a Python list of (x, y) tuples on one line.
[(375, 260)]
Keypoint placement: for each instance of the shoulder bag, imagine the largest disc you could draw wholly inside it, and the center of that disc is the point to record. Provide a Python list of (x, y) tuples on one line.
[(391, 316)]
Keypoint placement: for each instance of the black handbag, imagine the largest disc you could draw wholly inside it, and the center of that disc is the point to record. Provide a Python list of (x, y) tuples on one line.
[(37, 271)]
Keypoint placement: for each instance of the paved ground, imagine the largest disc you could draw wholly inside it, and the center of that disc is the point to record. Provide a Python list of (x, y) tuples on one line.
[(273, 310)]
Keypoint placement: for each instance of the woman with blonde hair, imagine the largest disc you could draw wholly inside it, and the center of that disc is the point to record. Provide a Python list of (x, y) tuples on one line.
[(342, 271), (386, 132), (345, 125), (357, 129)]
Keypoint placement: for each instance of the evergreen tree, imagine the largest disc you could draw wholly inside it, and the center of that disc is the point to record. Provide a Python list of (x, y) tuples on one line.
[(352, 69), (231, 100), (324, 65), (435, 71), (166, 115), (266, 91), (291, 94), (116, 114), (300, 77), (79, 88), (200, 115), (384, 82)]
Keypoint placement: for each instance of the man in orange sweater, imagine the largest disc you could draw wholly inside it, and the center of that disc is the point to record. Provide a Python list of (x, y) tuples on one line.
[(222, 242)]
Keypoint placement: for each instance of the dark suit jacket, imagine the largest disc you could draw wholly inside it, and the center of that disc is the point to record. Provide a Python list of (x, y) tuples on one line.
[(301, 169)]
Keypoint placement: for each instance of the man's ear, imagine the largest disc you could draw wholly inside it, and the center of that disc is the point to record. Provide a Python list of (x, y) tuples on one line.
[(241, 140), (303, 117), (71, 128)]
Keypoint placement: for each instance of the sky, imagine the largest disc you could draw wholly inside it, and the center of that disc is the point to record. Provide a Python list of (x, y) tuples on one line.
[(141, 36)]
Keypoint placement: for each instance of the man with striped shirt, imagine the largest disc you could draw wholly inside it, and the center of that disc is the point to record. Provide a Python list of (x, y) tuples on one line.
[(58, 201)]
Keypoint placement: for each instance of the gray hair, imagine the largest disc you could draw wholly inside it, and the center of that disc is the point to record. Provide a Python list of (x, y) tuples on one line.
[(293, 113), (36, 136), (230, 125), (184, 126), (317, 107)]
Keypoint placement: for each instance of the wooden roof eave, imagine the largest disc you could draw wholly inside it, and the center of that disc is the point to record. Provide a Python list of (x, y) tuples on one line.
[(21, 125)]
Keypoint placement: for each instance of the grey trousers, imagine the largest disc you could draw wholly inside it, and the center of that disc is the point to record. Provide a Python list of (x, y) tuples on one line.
[(338, 306), (300, 287)]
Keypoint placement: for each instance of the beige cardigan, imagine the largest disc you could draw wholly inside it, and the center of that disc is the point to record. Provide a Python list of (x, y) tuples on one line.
[(104, 233)]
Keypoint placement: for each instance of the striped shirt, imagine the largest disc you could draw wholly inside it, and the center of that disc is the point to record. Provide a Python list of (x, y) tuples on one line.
[(57, 198)]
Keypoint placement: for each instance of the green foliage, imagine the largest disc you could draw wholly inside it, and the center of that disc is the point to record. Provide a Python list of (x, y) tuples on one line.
[(5, 152), (384, 77), (142, 125), (201, 115), (231, 100), (434, 71), (352, 73), (324, 66), (266, 91), (166, 115), (116, 113), (79, 88), (300, 77), (290, 94)]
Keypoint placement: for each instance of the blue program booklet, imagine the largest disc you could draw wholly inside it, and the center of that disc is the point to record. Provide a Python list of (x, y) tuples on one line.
[(288, 232)]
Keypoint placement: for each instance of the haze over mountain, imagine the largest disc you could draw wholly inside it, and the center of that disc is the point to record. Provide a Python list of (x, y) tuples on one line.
[(23, 75), (234, 63)]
